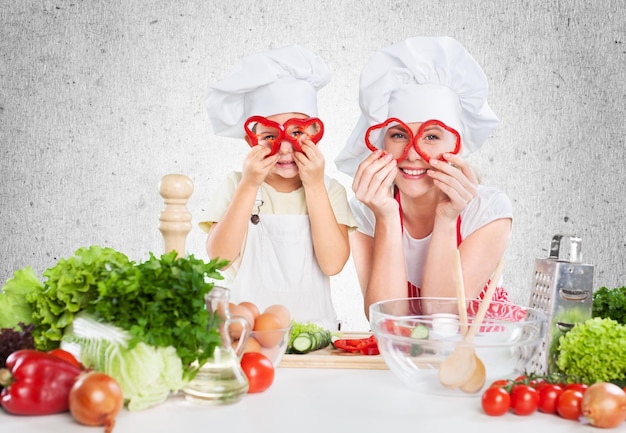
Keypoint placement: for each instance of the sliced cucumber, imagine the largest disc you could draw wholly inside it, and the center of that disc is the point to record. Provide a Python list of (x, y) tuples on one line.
[(420, 332), (306, 342), (303, 343)]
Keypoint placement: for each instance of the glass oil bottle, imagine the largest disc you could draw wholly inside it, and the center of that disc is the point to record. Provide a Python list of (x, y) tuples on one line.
[(221, 380)]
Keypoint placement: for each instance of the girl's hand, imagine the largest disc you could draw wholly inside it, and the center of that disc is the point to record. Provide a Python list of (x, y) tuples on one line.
[(373, 183), (257, 165), (310, 163), (456, 179)]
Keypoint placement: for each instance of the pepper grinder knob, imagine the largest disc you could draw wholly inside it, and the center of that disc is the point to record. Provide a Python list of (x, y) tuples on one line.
[(175, 219)]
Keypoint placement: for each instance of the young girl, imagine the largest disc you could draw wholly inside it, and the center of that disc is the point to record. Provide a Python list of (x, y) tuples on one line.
[(424, 108), (281, 223)]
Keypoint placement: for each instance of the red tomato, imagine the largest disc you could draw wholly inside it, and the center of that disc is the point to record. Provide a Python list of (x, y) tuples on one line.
[(548, 395), (523, 379), (524, 399), (392, 328), (500, 383), (578, 386), (66, 356), (259, 371), (569, 404), (540, 383), (496, 401)]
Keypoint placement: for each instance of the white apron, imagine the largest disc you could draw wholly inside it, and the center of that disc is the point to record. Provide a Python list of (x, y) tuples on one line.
[(279, 267)]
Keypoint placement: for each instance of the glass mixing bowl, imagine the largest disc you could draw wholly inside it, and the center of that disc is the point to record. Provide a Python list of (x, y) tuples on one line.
[(415, 335)]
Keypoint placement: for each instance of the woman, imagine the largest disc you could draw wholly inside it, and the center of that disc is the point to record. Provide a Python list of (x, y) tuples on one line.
[(416, 198)]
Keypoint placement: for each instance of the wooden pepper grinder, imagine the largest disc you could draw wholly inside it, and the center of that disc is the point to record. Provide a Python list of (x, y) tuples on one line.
[(175, 219)]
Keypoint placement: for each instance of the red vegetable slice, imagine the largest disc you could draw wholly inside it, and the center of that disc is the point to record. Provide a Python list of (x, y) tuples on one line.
[(365, 346)]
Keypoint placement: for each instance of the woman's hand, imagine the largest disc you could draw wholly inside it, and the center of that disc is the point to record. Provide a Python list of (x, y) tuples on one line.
[(373, 183), (310, 163), (456, 179), (257, 165)]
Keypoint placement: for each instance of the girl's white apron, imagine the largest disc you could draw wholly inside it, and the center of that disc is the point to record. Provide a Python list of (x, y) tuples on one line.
[(279, 267)]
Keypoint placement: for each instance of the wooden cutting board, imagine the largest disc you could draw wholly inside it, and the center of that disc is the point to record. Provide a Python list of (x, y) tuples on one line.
[(329, 357)]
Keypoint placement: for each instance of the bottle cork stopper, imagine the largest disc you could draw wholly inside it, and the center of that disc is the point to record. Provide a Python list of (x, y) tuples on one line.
[(175, 219)]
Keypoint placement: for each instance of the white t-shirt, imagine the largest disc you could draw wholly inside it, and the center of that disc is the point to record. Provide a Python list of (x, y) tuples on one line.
[(489, 205), (274, 202)]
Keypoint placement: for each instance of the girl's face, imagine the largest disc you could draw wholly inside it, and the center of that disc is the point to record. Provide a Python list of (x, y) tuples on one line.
[(286, 166), (273, 131)]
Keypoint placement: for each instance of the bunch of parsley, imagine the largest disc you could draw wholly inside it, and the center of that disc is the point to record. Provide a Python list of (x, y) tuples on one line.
[(610, 303), (163, 305)]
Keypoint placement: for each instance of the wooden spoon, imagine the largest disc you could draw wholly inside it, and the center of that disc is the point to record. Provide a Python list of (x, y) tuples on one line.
[(460, 292), (450, 375), (460, 367), (477, 380)]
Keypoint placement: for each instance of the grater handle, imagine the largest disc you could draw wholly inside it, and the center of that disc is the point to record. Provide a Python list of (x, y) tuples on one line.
[(574, 295), (575, 255)]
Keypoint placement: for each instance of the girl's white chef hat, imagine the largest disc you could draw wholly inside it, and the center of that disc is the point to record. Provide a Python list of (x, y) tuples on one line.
[(416, 80), (272, 82)]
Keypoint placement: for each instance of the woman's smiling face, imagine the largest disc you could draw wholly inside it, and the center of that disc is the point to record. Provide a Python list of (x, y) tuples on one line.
[(433, 139), (408, 143)]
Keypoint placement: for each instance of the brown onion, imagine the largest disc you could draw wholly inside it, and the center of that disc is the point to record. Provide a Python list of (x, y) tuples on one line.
[(604, 405), (96, 399)]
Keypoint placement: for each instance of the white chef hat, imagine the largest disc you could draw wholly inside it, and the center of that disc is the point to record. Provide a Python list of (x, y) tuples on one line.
[(277, 81), (416, 80)]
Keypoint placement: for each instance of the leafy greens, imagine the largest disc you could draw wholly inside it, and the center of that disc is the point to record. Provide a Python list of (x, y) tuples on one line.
[(594, 351), (160, 302), (610, 303)]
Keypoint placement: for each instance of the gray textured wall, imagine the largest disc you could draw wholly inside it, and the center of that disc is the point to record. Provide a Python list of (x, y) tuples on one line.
[(99, 100)]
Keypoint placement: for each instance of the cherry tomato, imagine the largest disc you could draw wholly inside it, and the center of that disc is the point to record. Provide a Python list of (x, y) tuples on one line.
[(578, 386), (526, 380), (524, 399), (540, 383), (259, 371), (496, 401), (67, 356), (569, 404), (501, 383), (548, 395)]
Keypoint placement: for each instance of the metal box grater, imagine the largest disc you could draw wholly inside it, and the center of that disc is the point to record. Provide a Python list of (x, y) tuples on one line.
[(563, 289)]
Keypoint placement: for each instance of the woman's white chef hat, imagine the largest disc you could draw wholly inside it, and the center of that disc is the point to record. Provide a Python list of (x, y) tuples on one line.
[(419, 79), (272, 82)]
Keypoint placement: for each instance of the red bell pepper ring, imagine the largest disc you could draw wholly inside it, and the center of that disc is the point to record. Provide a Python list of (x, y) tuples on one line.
[(364, 346), (36, 383), (261, 130), (417, 141)]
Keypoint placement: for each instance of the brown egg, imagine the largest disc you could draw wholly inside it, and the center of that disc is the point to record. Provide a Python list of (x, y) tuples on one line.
[(267, 330), (236, 329), (251, 307), (281, 312), (251, 345)]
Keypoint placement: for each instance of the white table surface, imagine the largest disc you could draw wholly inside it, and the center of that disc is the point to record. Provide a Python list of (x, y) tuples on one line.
[(317, 400)]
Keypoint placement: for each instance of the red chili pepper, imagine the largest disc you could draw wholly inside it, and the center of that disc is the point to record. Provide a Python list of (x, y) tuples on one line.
[(36, 383), (365, 346)]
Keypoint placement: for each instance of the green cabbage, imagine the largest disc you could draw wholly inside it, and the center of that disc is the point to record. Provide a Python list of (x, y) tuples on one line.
[(594, 351), (146, 374)]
